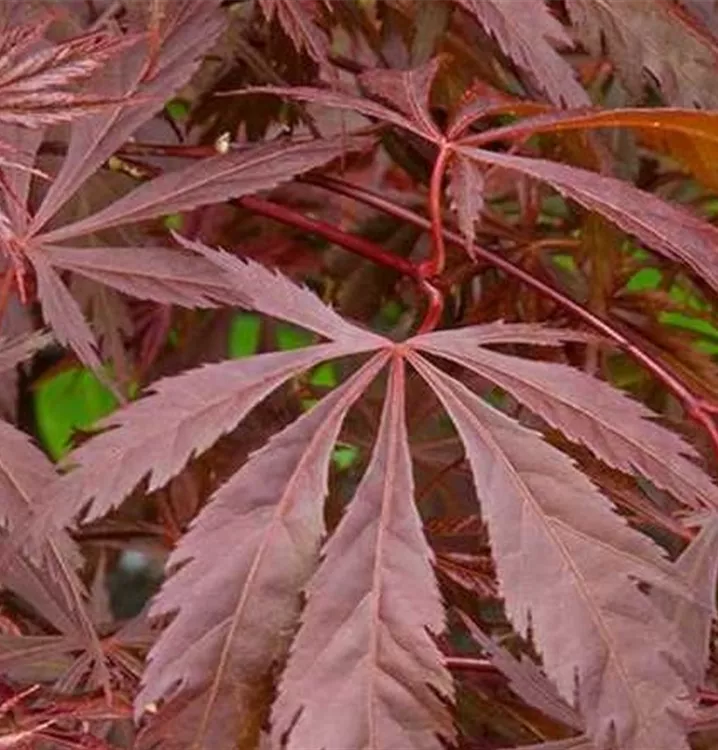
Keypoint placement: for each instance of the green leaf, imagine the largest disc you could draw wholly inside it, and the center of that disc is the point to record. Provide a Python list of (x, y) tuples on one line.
[(74, 399), (244, 335)]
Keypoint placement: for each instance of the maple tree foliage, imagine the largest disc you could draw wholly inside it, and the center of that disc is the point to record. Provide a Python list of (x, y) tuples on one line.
[(401, 317)]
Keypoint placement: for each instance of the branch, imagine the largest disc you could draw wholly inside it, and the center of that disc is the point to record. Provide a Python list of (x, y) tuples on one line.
[(696, 407)]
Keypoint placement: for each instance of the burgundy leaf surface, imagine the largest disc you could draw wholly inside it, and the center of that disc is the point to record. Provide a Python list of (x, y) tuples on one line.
[(653, 38), (211, 181), (526, 679), (297, 20), (274, 294), (528, 38), (242, 606), (161, 274), (364, 650), (61, 311), (342, 100), (670, 230), (619, 430), (407, 91), (551, 529), (189, 27), (466, 190), (157, 435)]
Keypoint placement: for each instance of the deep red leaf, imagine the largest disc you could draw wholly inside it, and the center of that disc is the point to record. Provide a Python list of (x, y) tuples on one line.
[(212, 181), (297, 19), (242, 606), (528, 38), (654, 38), (363, 651), (188, 30), (668, 229), (619, 430), (552, 530)]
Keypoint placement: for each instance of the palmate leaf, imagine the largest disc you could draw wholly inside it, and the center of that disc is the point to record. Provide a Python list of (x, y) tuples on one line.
[(545, 519), (274, 505), (188, 29), (363, 651), (528, 38), (596, 632), (668, 229), (616, 428), (407, 91), (204, 403)]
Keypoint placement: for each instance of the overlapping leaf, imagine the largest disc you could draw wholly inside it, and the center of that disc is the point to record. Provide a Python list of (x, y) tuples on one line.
[(48, 581), (363, 651), (668, 229), (188, 281), (698, 565), (466, 190), (211, 181), (39, 82), (274, 294), (689, 136), (187, 31), (56, 593), (158, 273), (62, 313), (656, 38), (158, 435), (297, 18), (550, 528), (528, 38), (619, 430), (406, 91), (526, 679), (271, 514)]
